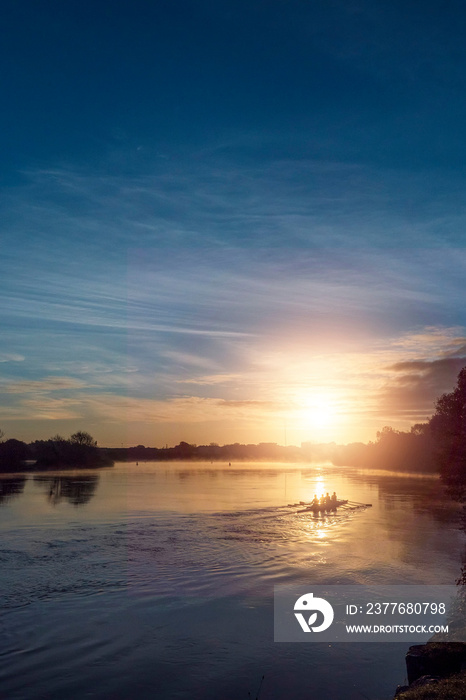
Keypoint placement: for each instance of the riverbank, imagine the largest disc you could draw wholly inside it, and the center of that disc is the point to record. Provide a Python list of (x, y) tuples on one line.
[(31, 466), (436, 671), (453, 688)]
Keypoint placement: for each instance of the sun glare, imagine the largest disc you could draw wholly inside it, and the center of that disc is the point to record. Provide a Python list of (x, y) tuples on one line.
[(319, 411)]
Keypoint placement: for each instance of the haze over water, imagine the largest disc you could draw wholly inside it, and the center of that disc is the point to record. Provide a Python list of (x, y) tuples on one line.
[(157, 580)]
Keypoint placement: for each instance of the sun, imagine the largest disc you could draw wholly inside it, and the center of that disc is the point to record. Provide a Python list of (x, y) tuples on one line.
[(318, 411)]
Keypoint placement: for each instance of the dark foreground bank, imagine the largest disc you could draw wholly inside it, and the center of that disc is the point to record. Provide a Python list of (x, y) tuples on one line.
[(436, 671)]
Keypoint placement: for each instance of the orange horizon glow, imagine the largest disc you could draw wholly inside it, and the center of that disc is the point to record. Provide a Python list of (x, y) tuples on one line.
[(287, 396)]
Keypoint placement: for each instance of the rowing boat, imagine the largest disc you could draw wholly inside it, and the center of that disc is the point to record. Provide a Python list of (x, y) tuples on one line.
[(323, 508)]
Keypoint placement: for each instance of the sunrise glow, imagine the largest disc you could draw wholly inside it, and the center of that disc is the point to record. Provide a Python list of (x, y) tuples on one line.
[(319, 410)]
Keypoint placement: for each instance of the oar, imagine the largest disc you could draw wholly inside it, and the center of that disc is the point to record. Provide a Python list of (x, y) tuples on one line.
[(358, 503)]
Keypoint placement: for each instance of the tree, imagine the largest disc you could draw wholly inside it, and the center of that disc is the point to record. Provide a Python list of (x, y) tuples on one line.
[(448, 426), (79, 451), (83, 438), (12, 454), (420, 429)]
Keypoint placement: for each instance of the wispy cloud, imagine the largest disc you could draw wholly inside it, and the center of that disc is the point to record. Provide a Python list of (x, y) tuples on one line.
[(42, 385), (212, 379), (11, 357)]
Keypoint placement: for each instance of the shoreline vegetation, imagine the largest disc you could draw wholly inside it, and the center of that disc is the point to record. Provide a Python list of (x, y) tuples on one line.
[(80, 451), (393, 450)]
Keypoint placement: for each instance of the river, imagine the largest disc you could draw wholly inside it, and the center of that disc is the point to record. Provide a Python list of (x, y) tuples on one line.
[(156, 580)]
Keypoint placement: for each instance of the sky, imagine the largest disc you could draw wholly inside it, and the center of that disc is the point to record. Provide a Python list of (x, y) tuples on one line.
[(230, 221)]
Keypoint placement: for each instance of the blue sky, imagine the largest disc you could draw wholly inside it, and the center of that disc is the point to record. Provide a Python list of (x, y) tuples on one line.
[(230, 221)]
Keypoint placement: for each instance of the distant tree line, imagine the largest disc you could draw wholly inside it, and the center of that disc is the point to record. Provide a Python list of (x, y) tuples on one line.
[(80, 450), (210, 453), (393, 449)]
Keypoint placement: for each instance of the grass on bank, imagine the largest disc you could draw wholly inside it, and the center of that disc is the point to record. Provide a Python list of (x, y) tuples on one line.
[(452, 688)]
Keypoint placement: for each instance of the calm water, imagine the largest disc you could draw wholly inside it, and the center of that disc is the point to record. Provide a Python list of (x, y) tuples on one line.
[(156, 581)]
